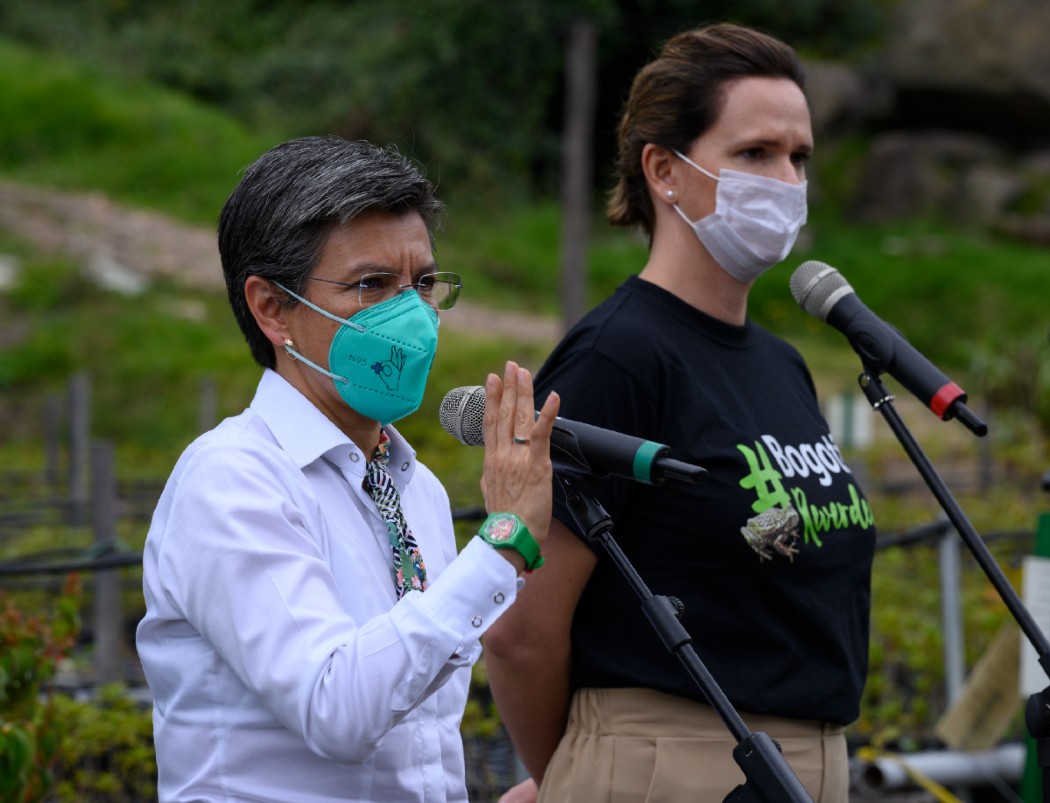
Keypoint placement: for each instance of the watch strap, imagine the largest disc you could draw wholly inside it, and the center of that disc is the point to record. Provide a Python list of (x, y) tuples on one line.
[(507, 531)]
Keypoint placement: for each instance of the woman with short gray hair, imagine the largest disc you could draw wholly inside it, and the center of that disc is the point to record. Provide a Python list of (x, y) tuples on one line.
[(309, 626)]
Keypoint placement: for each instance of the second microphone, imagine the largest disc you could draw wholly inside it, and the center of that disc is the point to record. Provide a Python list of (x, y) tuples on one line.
[(577, 448)]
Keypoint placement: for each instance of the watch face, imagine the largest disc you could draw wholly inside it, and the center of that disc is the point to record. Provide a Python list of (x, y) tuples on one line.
[(501, 529)]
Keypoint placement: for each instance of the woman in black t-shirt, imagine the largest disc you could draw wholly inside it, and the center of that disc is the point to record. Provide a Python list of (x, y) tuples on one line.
[(771, 556)]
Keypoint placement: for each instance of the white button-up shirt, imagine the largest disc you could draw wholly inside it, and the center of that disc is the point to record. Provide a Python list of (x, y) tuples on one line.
[(281, 664)]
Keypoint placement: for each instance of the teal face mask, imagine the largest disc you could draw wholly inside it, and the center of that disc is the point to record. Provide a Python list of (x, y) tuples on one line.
[(380, 358)]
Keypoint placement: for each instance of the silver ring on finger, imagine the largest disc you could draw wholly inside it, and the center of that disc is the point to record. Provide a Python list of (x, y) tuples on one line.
[(520, 440)]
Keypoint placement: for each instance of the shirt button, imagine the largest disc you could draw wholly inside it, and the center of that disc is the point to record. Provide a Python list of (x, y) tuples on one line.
[(354, 457), (404, 466), (476, 621), (498, 599)]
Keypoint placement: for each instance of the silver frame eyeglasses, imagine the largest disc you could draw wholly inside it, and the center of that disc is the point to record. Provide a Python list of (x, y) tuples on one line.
[(440, 290)]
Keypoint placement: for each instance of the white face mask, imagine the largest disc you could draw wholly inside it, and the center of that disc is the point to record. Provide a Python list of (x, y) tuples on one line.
[(755, 222)]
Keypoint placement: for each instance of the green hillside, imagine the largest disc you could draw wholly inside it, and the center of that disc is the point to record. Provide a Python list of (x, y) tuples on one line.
[(964, 298), (67, 124)]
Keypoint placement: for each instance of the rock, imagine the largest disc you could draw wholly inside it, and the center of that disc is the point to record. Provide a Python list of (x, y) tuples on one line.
[(1033, 229), (838, 98), (9, 266), (1037, 163), (986, 192), (913, 173), (994, 46), (977, 65), (111, 275)]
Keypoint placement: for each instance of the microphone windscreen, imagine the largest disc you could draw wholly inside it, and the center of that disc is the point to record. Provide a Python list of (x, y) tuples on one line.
[(462, 414), (818, 287)]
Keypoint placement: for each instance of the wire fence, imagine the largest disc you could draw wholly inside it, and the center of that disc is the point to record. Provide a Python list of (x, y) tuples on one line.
[(78, 495)]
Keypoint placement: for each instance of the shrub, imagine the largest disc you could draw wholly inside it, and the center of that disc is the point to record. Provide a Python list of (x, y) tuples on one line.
[(30, 648), (105, 749)]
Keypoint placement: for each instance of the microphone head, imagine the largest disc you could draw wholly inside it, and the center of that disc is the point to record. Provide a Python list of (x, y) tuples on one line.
[(818, 287), (462, 414)]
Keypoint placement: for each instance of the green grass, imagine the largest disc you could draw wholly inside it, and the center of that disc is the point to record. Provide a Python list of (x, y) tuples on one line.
[(64, 124), (946, 289), (148, 357)]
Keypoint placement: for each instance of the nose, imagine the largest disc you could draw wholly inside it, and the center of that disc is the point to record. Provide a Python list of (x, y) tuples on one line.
[(789, 172), (795, 170)]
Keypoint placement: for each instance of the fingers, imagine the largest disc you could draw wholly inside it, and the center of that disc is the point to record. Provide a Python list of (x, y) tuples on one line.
[(549, 411), (510, 421), (525, 409), (517, 469), (493, 397), (541, 430), (502, 405), (510, 411)]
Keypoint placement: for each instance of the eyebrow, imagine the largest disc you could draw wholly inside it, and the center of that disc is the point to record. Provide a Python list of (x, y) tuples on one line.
[(364, 268), (776, 143)]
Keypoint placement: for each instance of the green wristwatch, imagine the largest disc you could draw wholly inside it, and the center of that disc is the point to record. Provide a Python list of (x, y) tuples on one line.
[(507, 531)]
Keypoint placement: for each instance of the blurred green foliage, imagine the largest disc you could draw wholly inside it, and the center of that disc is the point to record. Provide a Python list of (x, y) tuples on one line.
[(472, 88), (105, 749), (30, 647), (69, 124), (54, 747), (905, 694)]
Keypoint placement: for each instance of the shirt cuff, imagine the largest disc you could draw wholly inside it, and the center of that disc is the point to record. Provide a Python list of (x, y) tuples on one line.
[(471, 593)]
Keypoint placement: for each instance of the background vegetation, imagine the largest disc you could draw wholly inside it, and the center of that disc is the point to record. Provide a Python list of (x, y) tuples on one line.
[(470, 87), (160, 105)]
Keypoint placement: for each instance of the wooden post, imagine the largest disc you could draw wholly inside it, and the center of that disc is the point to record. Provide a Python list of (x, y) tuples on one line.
[(52, 440), (985, 457), (108, 613), (79, 446), (207, 412), (580, 93)]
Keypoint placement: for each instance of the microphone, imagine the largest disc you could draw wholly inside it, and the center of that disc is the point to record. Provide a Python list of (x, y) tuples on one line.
[(822, 292), (576, 448)]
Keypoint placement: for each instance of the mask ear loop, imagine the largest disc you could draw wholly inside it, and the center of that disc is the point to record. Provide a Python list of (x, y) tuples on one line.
[(681, 214), (289, 346), (327, 314), (689, 161), (670, 193)]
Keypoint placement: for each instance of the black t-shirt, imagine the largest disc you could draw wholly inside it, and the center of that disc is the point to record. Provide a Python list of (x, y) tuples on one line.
[(771, 554)]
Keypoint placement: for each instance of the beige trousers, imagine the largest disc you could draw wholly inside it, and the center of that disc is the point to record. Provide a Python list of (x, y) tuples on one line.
[(643, 746)]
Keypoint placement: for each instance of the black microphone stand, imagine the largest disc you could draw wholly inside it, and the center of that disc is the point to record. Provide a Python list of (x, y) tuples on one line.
[(769, 778), (1037, 711)]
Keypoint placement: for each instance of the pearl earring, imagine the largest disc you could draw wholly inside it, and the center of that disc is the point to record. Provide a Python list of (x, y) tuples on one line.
[(670, 194)]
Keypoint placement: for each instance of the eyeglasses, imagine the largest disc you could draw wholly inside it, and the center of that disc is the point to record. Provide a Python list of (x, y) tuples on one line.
[(440, 290)]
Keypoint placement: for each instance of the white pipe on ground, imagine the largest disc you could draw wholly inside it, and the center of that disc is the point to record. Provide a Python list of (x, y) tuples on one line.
[(946, 767)]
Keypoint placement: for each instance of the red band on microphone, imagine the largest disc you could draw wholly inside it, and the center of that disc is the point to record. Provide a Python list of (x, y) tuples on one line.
[(944, 397)]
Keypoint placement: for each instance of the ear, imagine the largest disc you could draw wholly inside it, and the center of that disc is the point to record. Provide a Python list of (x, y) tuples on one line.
[(265, 302), (658, 166)]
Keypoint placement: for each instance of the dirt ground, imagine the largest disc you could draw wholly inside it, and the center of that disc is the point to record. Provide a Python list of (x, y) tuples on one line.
[(94, 230)]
